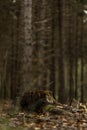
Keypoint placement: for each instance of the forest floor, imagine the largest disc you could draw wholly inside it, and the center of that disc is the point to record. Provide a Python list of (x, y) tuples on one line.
[(63, 117)]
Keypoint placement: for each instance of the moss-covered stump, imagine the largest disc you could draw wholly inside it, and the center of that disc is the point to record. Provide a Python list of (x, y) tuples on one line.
[(36, 100)]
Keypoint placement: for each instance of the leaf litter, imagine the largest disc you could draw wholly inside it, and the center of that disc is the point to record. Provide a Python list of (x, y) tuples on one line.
[(61, 117)]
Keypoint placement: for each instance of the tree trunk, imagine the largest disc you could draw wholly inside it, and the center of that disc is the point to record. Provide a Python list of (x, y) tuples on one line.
[(61, 91), (27, 44)]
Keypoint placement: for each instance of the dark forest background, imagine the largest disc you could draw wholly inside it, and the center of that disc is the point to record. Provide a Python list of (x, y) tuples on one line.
[(43, 45)]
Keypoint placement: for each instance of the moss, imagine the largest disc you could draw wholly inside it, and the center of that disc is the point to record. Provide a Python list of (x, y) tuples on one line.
[(49, 107)]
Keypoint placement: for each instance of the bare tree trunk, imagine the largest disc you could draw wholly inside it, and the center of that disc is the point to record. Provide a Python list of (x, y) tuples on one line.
[(76, 54), (61, 91), (71, 53), (27, 44), (82, 56), (52, 58)]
